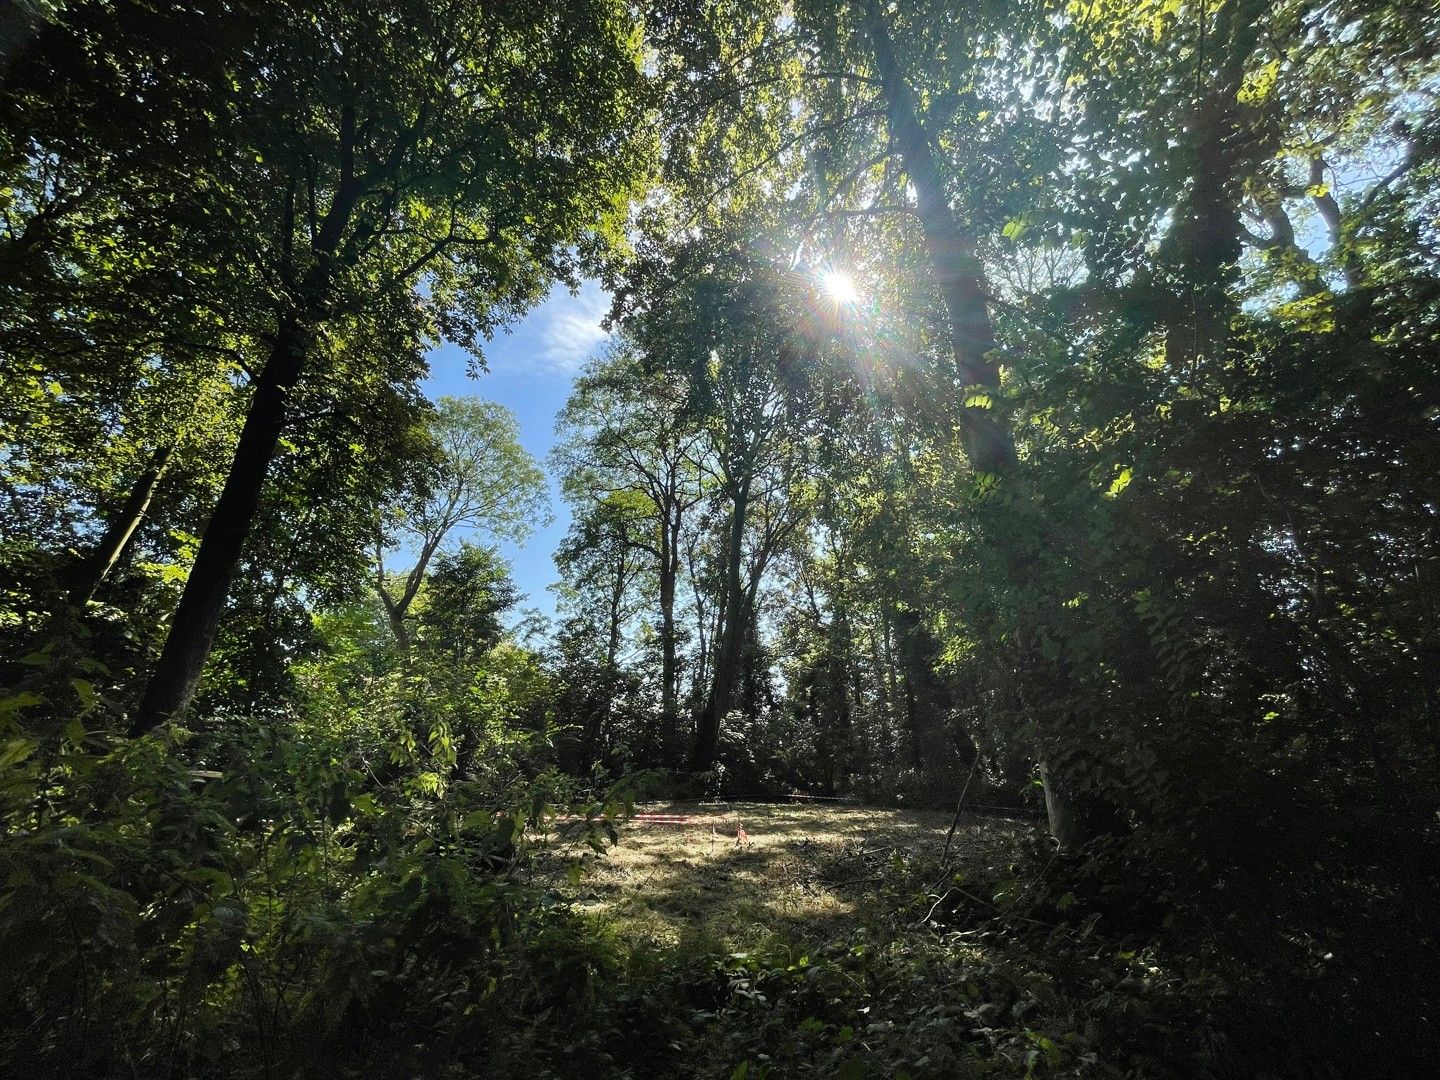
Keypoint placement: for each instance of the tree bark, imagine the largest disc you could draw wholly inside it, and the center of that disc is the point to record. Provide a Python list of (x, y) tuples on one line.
[(927, 700), (669, 572), (1203, 245), (196, 620), (958, 274), (617, 602), (987, 438), (97, 566), (395, 614), (731, 638)]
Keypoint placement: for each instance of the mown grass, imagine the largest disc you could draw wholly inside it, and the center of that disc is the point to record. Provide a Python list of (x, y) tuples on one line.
[(802, 872), (840, 941), (837, 941)]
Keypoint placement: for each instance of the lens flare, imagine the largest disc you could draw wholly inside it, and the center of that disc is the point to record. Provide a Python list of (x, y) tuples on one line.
[(840, 287)]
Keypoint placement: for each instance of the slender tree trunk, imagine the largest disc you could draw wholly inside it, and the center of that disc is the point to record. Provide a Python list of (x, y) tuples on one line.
[(395, 615), (841, 665), (193, 629), (730, 642), (1064, 823), (884, 749), (612, 639), (700, 669), (107, 553), (397, 610), (669, 685), (928, 700)]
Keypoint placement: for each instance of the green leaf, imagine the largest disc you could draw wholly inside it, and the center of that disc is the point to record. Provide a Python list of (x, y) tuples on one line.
[(85, 690), (1046, 1044), (16, 751), (13, 703)]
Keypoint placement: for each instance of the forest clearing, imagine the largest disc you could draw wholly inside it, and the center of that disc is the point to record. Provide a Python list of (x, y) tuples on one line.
[(664, 883), (521, 521), (826, 926)]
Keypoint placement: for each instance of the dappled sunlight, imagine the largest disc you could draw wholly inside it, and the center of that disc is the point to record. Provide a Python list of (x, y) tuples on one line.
[(665, 883), (1026, 408)]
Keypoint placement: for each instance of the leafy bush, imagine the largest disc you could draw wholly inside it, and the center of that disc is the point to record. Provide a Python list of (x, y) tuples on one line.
[(304, 893)]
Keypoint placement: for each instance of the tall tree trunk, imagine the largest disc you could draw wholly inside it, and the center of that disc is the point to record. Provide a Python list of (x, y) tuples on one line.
[(612, 637), (884, 695), (107, 553), (395, 615), (193, 629), (1203, 245), (669, 681), (197, 618), (958, 275), (987, 438), (700, 669), (731, 643), (928, 700)]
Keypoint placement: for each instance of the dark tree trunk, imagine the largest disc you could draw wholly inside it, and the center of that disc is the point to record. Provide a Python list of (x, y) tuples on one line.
[(884, 697), (107, 554), (193, 629), (729, 647), (669, 673), (928, 701), (612, 637), (912, 723), (987, 438)]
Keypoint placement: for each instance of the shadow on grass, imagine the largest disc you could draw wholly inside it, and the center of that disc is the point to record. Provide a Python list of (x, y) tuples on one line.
[(803, 872)]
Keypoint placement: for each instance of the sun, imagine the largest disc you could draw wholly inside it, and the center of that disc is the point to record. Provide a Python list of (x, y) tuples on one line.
[(840, 286)]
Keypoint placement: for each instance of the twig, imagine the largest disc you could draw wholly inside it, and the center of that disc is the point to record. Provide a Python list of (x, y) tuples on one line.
[(938, 901), (954, 823), (984, 903), (958, 806)]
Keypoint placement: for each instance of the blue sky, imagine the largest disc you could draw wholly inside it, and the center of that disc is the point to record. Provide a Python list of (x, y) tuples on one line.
[(531, 371)]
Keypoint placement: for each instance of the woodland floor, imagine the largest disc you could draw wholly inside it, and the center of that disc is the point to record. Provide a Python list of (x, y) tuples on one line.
[(835, 940), (802, 870)]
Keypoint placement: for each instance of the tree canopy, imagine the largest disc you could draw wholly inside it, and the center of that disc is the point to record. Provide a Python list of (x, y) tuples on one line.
[(1007, 408)]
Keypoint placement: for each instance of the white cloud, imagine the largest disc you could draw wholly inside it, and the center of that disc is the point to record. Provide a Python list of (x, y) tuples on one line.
[(568, 327)]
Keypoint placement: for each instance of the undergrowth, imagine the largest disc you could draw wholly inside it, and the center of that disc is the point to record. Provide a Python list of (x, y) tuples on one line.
[(254, 906)]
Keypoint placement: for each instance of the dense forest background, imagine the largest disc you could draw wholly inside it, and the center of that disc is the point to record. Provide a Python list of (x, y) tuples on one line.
[(1030, 407)]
